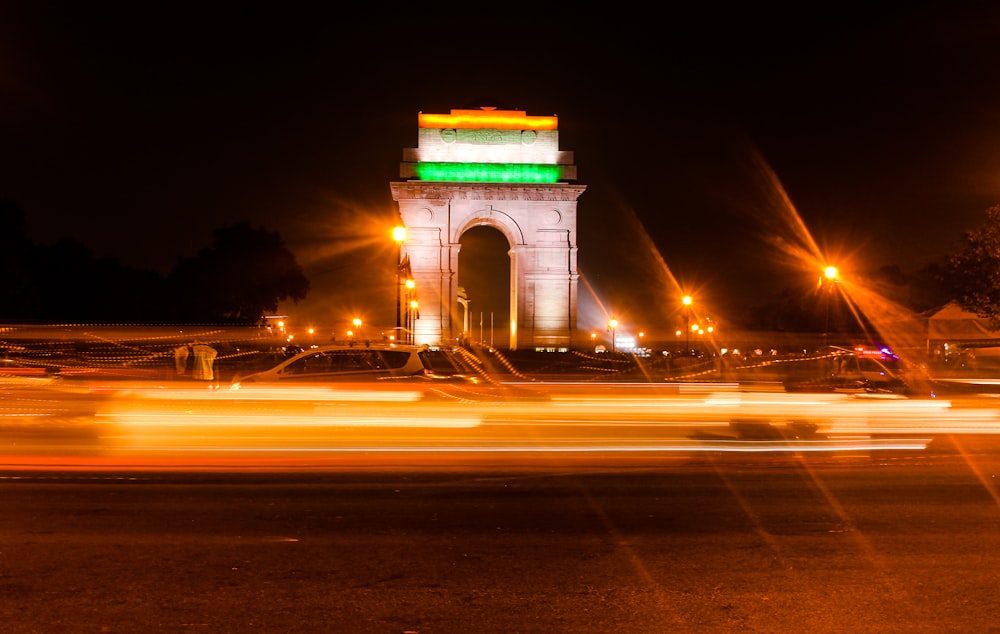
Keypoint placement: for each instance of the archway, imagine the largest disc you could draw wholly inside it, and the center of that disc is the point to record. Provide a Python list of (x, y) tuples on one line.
[(484, 274), (505, 170)]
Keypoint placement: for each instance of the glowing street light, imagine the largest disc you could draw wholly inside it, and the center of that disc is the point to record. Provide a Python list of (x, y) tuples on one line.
[(411, 315), (411, 309), (686, 300), (830, 276), (612, 327), (399, 235)]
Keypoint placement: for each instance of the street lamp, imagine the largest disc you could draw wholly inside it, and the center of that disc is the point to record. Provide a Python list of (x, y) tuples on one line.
[(413, 312), (399, 235), (357, 326), (830, 274), (686, 300), (410, 304), (612, 327)]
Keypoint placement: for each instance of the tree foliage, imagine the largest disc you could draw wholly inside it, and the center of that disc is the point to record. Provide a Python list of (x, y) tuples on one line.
[(245, 274), (15, 249), (973, 273)]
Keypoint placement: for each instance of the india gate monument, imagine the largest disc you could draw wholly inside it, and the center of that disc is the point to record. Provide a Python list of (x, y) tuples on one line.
[(502, 169)]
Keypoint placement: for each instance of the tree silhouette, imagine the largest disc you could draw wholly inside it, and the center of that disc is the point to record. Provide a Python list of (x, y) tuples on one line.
[(17, 292), (973, 273), (245, 274)]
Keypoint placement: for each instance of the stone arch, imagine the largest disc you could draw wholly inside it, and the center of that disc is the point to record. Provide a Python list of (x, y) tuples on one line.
[(539, 222), (486, 273), (499, 220), (506, 169), (508, 227)]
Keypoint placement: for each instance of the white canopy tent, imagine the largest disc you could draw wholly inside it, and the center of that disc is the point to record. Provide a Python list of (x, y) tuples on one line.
[(952, 330), (951, 324)]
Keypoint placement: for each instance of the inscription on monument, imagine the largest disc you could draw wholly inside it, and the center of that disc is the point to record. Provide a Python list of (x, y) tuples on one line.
[(488, 136)]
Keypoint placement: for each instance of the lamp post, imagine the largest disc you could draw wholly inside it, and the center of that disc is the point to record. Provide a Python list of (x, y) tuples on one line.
[(410, 305), (612, 327), (414, 311), (686, 300), (399, 235), (830, 274)]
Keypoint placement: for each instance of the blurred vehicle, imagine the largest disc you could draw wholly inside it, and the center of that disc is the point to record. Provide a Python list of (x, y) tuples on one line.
[(870, 371), (360, 362), (862, 369)]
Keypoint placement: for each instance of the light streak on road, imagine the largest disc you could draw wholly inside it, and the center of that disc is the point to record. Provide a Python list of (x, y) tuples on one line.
[(679, 446), (136, 421), (211, 392), (205, 422)]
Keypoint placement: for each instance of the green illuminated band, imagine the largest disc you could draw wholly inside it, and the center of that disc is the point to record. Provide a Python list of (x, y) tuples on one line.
[(488, 172)]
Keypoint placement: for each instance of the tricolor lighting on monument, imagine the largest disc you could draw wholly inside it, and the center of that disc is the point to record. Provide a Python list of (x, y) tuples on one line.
[(487, 117), (488, 146), (488, 172)]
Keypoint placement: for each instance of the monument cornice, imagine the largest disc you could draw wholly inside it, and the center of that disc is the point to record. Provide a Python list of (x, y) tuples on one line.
[(422, 190)]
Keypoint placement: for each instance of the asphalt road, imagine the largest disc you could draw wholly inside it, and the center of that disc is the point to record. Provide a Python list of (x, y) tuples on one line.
[(899, 541)]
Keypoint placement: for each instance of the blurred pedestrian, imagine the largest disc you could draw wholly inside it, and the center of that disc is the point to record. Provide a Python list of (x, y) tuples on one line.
[(181, 356), (204, 362)]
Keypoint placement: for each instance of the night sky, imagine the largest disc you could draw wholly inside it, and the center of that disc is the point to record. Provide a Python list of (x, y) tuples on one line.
[(700, 136)]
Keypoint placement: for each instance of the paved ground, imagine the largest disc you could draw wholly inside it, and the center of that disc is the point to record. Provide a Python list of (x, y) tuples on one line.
[(789, 544)]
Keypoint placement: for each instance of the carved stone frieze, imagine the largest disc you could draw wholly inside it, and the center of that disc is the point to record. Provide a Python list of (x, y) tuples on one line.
[(475, 191)]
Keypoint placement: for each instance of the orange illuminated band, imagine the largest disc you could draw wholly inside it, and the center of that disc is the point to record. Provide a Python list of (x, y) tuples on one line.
[(488, 118)]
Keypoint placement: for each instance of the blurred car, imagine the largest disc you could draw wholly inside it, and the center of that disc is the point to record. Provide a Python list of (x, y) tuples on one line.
[(359, 362), (859, 370)]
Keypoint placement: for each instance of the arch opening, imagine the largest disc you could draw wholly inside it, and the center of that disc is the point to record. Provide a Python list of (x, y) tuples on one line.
[(484, 273)]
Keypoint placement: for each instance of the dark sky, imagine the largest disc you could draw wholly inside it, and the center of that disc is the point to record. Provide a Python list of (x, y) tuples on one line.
[(701, 137)]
